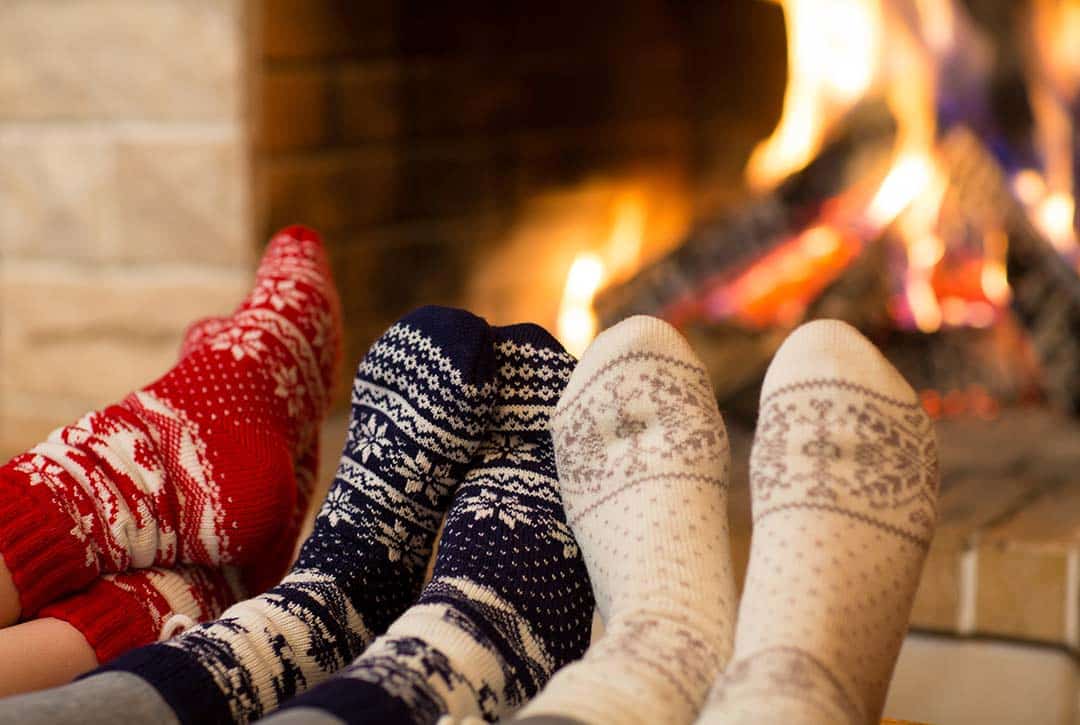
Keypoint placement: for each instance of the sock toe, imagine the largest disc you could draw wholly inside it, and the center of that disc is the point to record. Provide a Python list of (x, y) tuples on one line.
[(465, 339), (834, 350), (630, 340)]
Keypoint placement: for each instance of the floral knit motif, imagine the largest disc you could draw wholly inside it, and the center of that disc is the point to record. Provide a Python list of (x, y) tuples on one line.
[(815, 448)]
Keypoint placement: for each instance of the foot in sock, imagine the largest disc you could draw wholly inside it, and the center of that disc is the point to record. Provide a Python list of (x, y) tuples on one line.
[(120, 612), (196, 467), (421, 399), (643, 464), (509, 601), (843, 482)]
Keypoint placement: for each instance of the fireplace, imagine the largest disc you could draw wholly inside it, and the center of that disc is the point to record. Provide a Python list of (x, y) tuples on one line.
[(905, 174), (475, 152), (734, 167)]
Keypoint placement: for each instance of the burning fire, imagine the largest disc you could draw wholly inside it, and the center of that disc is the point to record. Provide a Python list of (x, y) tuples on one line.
[(1053, 87), (832, 59), (903, 56), (777, 289), (577, 323), (841, 52)]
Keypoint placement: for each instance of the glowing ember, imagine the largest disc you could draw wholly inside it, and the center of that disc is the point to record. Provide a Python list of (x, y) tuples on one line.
[(1054, 215), (974, 400), (778, 287)]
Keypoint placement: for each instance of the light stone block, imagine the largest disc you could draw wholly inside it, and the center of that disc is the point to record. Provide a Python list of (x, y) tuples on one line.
[(91, 335), (121, 59), (182, 200), (56, 194), (125, 194)]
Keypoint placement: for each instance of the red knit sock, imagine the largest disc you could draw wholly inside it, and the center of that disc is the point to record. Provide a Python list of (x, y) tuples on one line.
[(197, 467), (122, 611)]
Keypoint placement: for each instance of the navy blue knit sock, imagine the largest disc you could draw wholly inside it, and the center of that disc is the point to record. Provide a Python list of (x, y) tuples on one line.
[(510, 601), (421, 404)]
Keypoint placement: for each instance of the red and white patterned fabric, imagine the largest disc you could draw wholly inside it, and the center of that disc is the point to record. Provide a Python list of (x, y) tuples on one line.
[(199, 466), (120, 612)]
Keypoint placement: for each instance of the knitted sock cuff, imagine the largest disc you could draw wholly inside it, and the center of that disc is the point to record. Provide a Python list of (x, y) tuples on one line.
[(111, 619), (121, 612), (180, 679), (46, 560)]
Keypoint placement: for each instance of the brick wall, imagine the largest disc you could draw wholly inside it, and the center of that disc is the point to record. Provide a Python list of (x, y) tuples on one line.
[(125, 193), (455, 152)]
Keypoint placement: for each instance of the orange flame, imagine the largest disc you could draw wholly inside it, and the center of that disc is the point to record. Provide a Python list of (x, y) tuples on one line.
[(591, 270), (904, 48), (1054, 85), (577, 321), (833, 50)]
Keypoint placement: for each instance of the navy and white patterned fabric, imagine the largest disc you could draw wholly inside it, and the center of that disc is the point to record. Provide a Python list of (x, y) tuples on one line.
[(420, 409), (510, 600)]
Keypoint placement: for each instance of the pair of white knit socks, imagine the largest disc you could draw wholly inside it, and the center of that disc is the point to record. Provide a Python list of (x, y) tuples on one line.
[(844, 487)]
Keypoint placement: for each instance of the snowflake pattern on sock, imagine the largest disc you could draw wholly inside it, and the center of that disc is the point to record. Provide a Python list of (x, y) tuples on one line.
[(509, 602), (197, 467), (421, 401)]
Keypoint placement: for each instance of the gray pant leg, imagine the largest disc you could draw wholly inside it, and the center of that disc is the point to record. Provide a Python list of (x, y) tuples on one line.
[(302, 716), (311, 716), (103, 699)]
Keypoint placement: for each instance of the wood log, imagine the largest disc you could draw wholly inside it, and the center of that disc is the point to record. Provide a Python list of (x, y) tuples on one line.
[(1045, 287), (726, 243)]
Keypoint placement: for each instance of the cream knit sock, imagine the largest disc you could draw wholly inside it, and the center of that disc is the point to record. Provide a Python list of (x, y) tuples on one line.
[(643, 466), (844, 481)]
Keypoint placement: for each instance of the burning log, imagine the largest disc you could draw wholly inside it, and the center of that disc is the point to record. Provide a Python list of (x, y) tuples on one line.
[(1045, 287), (722, 246), (934, 249)]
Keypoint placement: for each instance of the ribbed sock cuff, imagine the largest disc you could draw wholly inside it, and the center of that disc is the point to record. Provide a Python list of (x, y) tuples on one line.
[(45, 560), (109, 618)]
